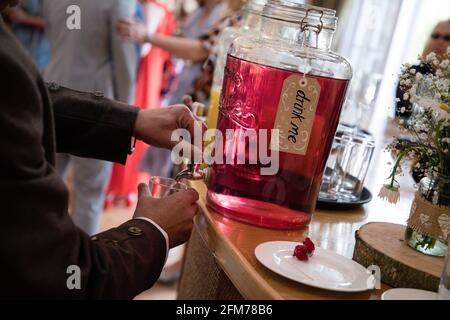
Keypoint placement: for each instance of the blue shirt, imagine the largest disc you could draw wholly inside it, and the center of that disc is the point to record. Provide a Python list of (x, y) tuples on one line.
[(34, 40)]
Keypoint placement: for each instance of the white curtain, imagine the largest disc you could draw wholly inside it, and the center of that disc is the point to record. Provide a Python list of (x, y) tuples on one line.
[(364, 36)]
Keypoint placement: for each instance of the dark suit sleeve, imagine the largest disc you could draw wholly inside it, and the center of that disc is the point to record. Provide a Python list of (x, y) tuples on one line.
[(40, 247), (89, 125)]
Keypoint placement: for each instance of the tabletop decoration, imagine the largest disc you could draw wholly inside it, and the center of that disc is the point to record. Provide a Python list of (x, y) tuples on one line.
[(427, 147), (304, 251), (328, 270), (381, 245)]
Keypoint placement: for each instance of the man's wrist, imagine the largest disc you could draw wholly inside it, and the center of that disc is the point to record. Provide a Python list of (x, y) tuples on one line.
[(137, 134), (160, 229)]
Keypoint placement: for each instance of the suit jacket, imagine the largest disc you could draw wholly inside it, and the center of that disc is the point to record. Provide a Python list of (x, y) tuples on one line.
[(38, 240), (93, 57)]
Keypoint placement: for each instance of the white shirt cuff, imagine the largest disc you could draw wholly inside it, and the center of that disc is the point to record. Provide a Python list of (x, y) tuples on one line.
[(164, 233)]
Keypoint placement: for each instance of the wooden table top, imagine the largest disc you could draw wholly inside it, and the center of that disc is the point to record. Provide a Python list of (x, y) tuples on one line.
[(233, 243)]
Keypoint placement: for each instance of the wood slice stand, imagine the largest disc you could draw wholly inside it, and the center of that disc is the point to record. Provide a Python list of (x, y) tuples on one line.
[(383, 245)]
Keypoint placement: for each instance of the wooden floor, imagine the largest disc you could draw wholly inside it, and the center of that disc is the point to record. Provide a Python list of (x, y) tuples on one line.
[(160, 291)]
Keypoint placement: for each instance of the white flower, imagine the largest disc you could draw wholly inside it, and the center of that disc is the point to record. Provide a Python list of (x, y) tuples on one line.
[(429, 103), (390, 193), (444, 64), (439, 73), (402, 110), (430, 57), (413, 71), (406, 96), (423, 136), (443, 112), (419, 76), (442, 85)]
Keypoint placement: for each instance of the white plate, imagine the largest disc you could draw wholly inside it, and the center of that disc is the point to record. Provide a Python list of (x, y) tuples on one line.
[(408, 294), (326, 269)]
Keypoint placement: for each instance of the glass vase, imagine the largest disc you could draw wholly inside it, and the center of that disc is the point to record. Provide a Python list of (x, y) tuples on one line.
[(436, 192)]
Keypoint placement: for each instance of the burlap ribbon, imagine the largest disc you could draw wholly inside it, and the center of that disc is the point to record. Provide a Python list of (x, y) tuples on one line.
[(429, 219)]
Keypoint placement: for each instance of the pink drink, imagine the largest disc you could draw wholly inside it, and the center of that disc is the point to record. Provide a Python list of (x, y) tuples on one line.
[(250, 98)]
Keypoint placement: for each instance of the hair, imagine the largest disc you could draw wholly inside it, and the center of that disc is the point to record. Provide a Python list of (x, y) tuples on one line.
[(441, 22)]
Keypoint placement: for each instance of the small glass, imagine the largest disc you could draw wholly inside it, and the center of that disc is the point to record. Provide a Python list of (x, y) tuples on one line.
[(334, 173), (347, 165), (161, 187)]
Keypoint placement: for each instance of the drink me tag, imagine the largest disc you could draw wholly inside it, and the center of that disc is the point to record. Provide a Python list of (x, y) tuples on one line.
[(295, 115)]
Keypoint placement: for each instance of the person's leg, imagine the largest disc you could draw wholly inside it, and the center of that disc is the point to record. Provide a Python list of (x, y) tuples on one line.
[(90, 182)]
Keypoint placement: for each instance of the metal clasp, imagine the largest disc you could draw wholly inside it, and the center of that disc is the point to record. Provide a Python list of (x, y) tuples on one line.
[(304, 25)]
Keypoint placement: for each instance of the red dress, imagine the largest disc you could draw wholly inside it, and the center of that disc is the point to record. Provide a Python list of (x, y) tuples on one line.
[(125, 179)]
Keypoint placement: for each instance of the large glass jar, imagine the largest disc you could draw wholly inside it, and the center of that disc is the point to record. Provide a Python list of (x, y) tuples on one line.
[(434, 192), (283, 91), (250, 23)]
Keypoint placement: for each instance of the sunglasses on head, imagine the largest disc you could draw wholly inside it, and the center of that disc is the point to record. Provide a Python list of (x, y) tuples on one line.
[(437, 36)]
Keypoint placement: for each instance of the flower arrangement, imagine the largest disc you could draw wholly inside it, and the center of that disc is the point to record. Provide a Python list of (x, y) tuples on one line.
[(429, 123)]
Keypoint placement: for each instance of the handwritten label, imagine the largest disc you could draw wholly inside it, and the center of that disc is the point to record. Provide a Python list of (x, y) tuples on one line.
[(295, 115)]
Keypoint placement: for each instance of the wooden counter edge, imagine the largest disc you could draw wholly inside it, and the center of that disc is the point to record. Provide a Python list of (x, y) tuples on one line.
[(240, 272)]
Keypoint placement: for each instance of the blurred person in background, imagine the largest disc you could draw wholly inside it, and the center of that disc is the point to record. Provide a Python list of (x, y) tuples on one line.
[(194, 47), (187, 46), (28, 26), (97, 60), (439, 39), (157, 18), (438, 43)]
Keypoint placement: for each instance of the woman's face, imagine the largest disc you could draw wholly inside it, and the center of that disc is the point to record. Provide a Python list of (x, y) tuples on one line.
[(439, 40)]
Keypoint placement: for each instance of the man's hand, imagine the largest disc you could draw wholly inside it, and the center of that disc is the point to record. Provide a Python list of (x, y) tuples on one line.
[(174, 213), (155, 126)]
